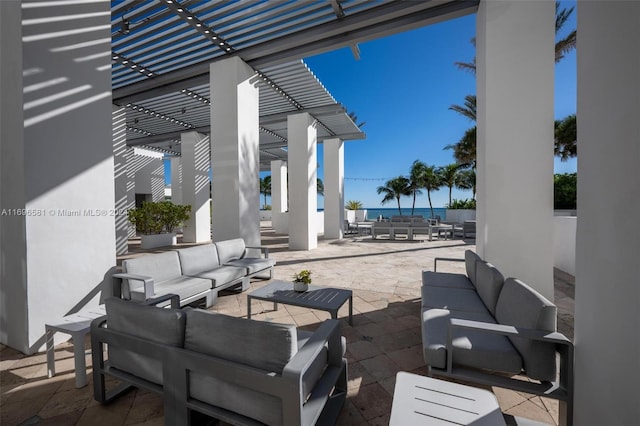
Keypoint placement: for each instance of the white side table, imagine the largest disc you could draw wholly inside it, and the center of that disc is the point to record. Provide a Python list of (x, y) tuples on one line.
[(78, 326), (419, 400)]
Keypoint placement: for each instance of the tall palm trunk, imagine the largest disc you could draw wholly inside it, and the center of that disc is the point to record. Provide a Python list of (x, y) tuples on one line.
[(430, 205), (413, 206), (265, 200), (450, 189), (399, 209)]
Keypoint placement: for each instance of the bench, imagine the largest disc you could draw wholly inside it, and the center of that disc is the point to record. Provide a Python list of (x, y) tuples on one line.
[(477, 324), (192, 273)]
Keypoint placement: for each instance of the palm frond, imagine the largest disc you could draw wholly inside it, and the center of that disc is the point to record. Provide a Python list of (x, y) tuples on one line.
[(566, 45), (467, 66)]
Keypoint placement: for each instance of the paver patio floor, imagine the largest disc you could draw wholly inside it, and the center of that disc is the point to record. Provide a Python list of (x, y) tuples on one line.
[(385, 277)]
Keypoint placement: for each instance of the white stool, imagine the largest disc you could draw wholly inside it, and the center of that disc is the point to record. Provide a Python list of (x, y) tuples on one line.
[(78, 326)]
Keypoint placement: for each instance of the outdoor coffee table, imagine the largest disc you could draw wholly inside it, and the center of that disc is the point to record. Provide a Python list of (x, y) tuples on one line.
[(419, 400), (322, 298)]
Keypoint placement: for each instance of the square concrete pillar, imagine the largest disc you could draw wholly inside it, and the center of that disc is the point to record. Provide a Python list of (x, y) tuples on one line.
[(303, 193), (607, 299), (148, 173), (515, 79), (124, 188), (176, 179), (279, 196), (195, 187), (333, 188), (57, 167), (235, 156)]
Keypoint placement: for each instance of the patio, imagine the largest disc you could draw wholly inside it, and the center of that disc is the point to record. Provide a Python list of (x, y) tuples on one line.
[(385, 338)]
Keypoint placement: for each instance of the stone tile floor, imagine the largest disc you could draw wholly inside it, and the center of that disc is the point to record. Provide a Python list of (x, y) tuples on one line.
[(385, 338)]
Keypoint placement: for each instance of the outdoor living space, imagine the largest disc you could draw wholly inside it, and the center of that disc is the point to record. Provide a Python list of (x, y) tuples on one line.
[(384, 339)]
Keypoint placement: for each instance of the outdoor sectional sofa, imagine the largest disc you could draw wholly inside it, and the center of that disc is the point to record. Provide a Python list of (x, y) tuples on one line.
[(479, 324), (192, 273), (240, 371)]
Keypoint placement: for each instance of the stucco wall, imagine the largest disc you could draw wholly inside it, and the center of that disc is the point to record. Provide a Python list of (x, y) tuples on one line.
[(564, 243), (65, 179)]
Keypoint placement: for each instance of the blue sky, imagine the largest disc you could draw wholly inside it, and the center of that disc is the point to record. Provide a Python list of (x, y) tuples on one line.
[(402, 88)]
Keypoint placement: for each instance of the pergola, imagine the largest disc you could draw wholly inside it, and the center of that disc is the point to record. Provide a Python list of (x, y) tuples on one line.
[(163, 58), (162, 51), (64, 95)]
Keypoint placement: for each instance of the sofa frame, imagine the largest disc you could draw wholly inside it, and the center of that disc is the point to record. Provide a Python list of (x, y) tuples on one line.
[(322, 407), (561, 389), (210, 295)]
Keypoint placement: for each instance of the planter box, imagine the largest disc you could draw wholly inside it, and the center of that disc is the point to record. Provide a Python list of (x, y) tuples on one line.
[(158, 240), (460, 215)]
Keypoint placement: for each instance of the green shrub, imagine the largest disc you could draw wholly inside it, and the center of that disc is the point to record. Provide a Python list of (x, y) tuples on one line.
[(564, 191), (462, 204), (156, 218)]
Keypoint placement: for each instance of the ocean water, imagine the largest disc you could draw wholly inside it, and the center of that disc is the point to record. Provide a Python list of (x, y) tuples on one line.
[(374, 213)]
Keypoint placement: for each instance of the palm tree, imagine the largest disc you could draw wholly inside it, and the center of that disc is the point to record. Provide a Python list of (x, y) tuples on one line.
[(468, 109), (265, 188), (467, 180), (568, 43), (353, 205), (464, 151), (416, 178), (449, 176), (352, 115), (431, 182), (394, 189), (320, 187), (562, 47), (565, 140)]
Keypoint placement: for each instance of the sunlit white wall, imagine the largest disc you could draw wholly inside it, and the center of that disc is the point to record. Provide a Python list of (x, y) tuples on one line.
[(64, 180)]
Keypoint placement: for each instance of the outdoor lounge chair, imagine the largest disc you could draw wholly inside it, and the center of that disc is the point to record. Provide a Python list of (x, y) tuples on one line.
[(240, 371)]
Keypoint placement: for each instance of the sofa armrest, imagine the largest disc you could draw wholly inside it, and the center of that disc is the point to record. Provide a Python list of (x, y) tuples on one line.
[(509, 330), (174, 298), (564, 346), (561, 389), (263, 250), (327, 334), (149, 291), (444, 259)]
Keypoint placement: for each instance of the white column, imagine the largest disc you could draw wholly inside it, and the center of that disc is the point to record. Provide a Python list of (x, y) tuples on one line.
[(607, 299), (333, 188), (124, 195), (515, 79), (176, 179), (147, 168), (235, 157), (13, 238), (303, 193), (279, 196), (195, 186), (57, 163)]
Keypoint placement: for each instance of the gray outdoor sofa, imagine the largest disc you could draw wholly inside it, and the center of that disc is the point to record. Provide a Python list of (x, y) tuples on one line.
[(479, 324), (240, 371), (192, 273)]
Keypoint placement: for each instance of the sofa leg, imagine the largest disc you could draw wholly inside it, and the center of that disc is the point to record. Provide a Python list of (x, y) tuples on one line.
[(212, 298), (245, 284)]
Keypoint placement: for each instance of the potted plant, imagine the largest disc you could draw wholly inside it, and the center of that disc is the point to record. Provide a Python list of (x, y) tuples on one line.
[(301, 280), (157, 222)]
